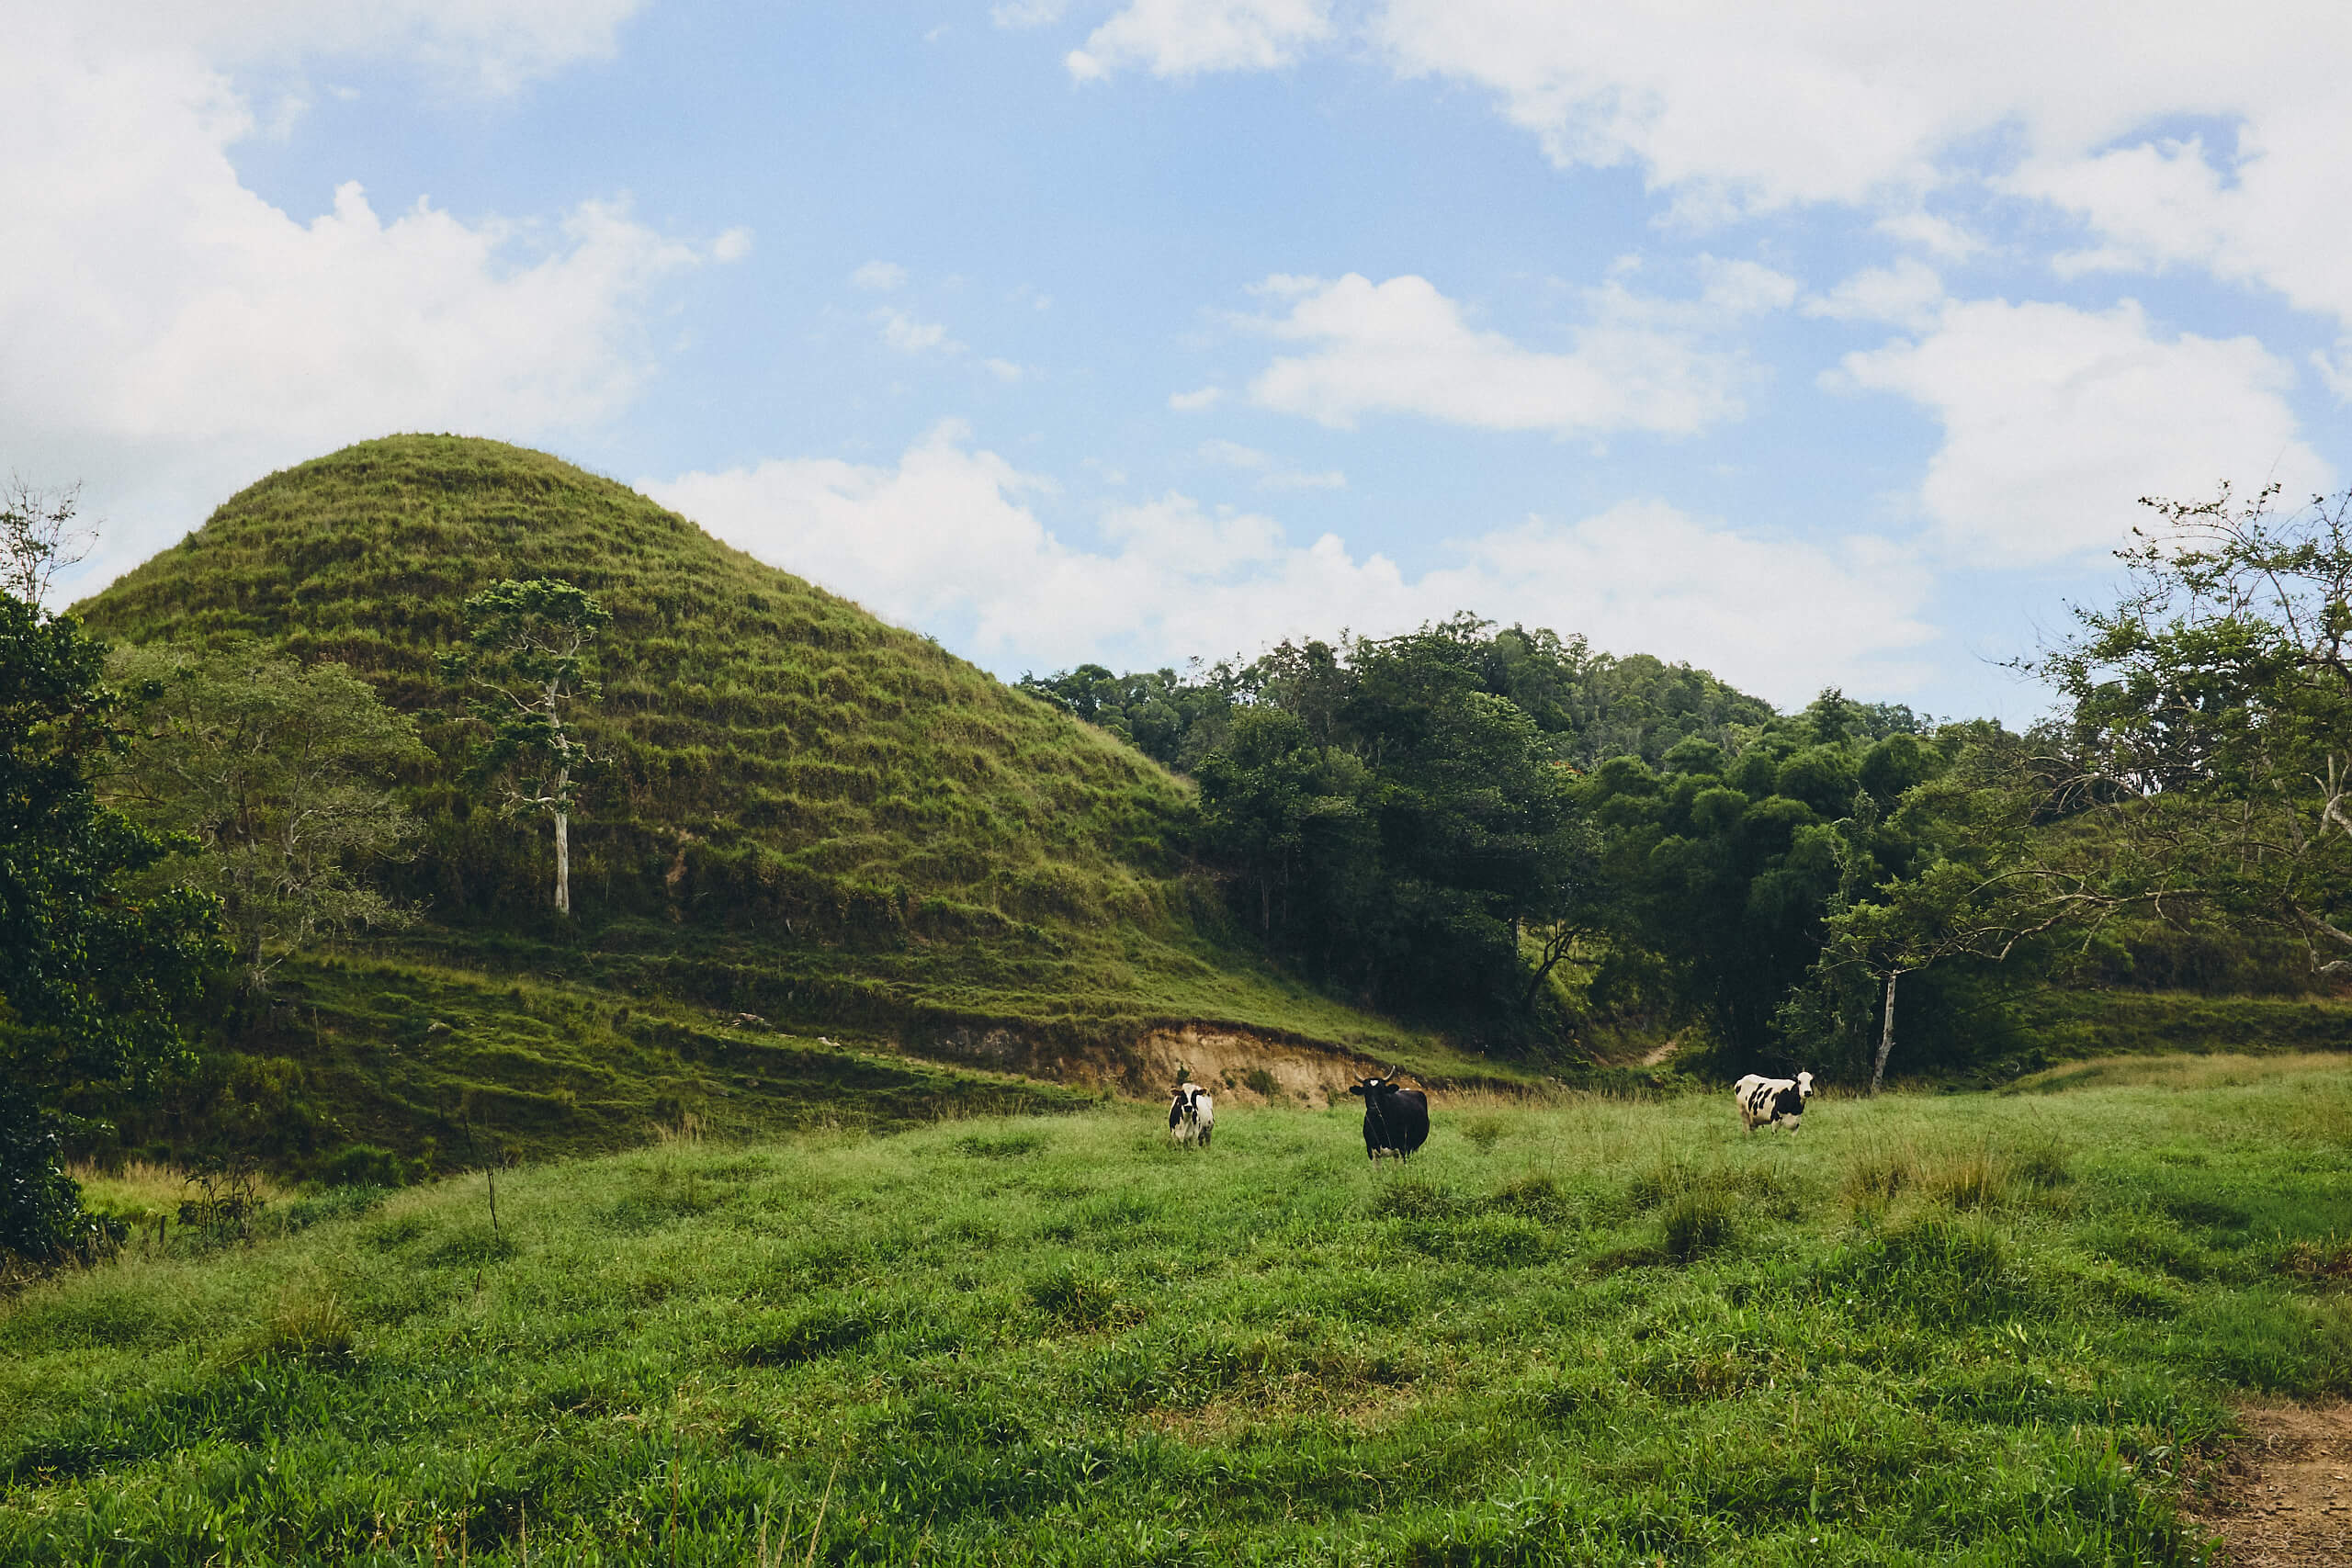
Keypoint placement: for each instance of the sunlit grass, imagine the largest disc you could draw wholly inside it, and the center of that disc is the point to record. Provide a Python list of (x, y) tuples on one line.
[(1588, 1331)]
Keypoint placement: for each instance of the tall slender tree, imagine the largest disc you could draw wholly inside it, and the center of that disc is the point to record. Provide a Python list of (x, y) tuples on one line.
[(529, 664)]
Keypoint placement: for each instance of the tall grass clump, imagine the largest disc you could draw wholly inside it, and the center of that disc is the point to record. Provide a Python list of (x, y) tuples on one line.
[(1697, 1223)]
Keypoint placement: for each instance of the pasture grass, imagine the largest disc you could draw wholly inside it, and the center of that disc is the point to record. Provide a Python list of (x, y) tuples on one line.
[(1987, 1329)]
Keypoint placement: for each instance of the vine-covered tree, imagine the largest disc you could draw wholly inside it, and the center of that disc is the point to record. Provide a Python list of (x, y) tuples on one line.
[(281, 774), (529, 664)]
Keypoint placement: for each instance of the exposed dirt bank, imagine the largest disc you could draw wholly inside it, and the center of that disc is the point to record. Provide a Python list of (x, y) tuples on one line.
[(1249, 1068), (2285, 1501)]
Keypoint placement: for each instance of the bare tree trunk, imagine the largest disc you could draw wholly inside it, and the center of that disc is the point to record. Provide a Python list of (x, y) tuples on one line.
[(563, 850), (1886, 1032)]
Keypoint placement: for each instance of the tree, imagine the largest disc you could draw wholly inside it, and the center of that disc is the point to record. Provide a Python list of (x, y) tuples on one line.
[(1958, 898), (92, 970), (279, 773), (38, 537), (532, 643), (2203, 766)]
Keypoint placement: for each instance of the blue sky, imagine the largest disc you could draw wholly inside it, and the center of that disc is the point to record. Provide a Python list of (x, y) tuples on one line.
[(1810, 348)]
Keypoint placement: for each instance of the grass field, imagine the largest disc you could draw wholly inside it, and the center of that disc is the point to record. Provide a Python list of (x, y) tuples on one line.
[(1994, 1329)]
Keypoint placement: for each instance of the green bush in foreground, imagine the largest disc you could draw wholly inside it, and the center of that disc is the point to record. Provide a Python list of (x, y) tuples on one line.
[(1059, 1340)]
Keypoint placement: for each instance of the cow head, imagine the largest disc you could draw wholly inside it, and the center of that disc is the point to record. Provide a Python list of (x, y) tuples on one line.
[(1805, 1086), (1378, 1083)]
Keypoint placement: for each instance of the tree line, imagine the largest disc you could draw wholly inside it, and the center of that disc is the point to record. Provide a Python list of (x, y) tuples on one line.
[(1458, 821)]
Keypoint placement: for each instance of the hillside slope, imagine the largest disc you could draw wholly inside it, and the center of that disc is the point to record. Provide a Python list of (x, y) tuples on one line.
[(805, 813)]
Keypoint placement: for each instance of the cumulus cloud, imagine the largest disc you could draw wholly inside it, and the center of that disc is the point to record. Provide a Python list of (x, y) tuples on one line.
[(881, 277), (2057, 419), (172, 334), (1401, 347), (949, 538), (1195, 401), (1741, 108), (1908, 295), (1271, 472), (1184, 38), (2271, 207), (491, 45)]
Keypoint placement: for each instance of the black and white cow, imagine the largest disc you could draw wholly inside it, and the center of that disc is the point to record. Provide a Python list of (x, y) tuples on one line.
[(1765, 1102), (1396, 1120), (1192, 1114)]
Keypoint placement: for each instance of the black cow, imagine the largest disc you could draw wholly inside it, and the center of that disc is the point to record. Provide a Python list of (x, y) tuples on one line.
[(1396, 1121)]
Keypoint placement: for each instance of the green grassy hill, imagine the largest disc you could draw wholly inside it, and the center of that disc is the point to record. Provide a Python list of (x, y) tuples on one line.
[(808, 815), (1947, 1329)]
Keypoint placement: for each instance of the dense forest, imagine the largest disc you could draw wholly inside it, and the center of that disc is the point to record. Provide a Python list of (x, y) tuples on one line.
[(1500, 836)]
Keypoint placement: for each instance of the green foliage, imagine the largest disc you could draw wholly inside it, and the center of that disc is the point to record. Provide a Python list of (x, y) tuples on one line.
[(92, 971), (1173, 721), (2201, 766), (1392, 826), (1588, 706), (1014, 1341), (531, 661), (278, 774)]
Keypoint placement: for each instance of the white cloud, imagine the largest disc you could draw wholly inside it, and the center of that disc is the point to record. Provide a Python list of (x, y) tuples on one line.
[(1402, 347), (487, 45), (171, 334), (1908, 295), (878, 276), (909, 336), (731, 246), (2057, 419), (1008, 372), (1028, 13), (1737, 108), (1184, 38), (1271, 471), (2336, 373), (1195, 401), (948, 539), (2271, 210)]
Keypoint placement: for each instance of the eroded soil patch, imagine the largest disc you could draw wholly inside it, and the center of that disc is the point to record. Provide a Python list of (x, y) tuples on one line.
[(2287, 1502)]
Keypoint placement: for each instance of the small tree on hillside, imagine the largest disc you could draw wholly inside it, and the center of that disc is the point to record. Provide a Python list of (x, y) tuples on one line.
[(38, 537), (279, 773), (529, 664)]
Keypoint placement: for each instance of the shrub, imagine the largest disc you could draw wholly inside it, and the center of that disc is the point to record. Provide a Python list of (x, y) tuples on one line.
[(364, 1165)]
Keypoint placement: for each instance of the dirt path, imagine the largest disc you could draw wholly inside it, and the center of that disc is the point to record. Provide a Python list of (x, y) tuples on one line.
[(2288, 1502)]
